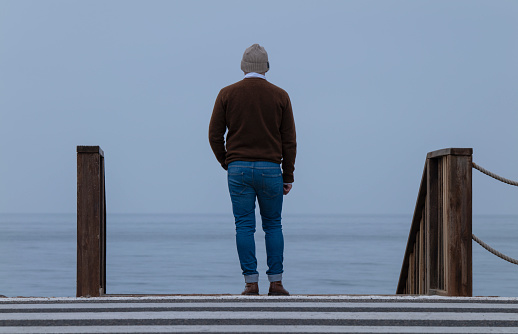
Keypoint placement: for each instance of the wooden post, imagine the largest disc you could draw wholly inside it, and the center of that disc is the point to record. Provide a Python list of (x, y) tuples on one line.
[(91, 222), (457, 221), (438, 257)]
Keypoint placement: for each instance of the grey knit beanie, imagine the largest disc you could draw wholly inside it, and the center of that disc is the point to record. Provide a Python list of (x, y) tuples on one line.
[(255, 59)]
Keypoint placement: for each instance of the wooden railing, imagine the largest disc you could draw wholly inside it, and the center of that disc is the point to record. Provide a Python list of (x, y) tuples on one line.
[(91, 222), (438, 253)]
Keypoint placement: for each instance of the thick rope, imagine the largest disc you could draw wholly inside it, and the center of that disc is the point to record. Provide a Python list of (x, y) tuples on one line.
[(494, 251), (480, 242), (493, 175)]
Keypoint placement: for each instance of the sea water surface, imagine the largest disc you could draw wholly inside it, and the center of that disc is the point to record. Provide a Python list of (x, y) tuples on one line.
[(184, 254)]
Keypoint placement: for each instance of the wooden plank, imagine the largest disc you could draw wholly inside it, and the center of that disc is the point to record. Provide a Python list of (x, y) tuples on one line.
[(102, 232), (441, 235), (450, 151), (431, 225), (445, 211), (422, 258), (411, 272), (417, 257), (416, 263)]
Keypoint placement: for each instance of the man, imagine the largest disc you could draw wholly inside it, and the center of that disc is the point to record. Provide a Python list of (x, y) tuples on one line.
[(261, 137)]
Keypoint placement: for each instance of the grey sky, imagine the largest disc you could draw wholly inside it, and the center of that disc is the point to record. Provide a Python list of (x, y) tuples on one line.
[(375, 85)]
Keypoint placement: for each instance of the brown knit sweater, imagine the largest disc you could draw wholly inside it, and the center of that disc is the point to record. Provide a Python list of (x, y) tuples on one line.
[(260, 125)]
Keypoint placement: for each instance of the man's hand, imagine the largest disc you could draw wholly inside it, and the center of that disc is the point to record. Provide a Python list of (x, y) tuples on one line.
[(286, 188)]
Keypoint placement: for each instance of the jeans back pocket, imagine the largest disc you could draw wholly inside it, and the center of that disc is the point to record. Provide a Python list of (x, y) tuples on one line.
[(272, 184), (236, 183)]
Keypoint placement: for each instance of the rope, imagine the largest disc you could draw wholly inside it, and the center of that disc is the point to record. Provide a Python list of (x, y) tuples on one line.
[(480, 242), (493, 175), (494, 251)]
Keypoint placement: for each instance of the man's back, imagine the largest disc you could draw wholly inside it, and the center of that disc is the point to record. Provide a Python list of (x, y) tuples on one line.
[(260, 124)]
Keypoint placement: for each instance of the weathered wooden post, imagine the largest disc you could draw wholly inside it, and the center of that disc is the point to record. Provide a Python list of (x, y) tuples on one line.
[(456, 219), (438, 254), (91, 222)]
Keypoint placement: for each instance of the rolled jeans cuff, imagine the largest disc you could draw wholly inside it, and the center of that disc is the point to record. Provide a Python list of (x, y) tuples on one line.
[(275, 278), (254, 278)]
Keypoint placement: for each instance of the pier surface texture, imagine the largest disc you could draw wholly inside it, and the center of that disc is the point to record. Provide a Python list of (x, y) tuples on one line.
[(260, 314)]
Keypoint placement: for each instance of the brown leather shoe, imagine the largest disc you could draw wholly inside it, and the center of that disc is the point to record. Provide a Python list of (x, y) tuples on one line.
[(276, 289), (251, 289)]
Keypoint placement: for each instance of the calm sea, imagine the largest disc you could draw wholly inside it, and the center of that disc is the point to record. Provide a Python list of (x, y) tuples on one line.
[(177, 254)]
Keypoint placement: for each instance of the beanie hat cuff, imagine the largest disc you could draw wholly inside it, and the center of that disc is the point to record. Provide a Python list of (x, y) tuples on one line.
[(254, 67)]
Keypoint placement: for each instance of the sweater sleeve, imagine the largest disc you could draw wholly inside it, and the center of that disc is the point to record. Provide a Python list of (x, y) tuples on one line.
[(289, 143), (217, 129)]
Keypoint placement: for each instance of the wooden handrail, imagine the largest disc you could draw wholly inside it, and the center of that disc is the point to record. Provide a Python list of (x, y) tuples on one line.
[(438, 256), (91, 222)]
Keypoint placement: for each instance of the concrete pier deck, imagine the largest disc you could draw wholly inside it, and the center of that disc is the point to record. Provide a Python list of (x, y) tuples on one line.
[(260, 314)]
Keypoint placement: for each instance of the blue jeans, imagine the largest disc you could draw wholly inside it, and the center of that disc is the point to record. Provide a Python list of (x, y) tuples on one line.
[(248, 180)]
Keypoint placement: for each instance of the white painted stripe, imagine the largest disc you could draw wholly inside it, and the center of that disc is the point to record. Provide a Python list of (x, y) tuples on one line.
[(252, 329), (265, 297), (238, 305), (262, 315)]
